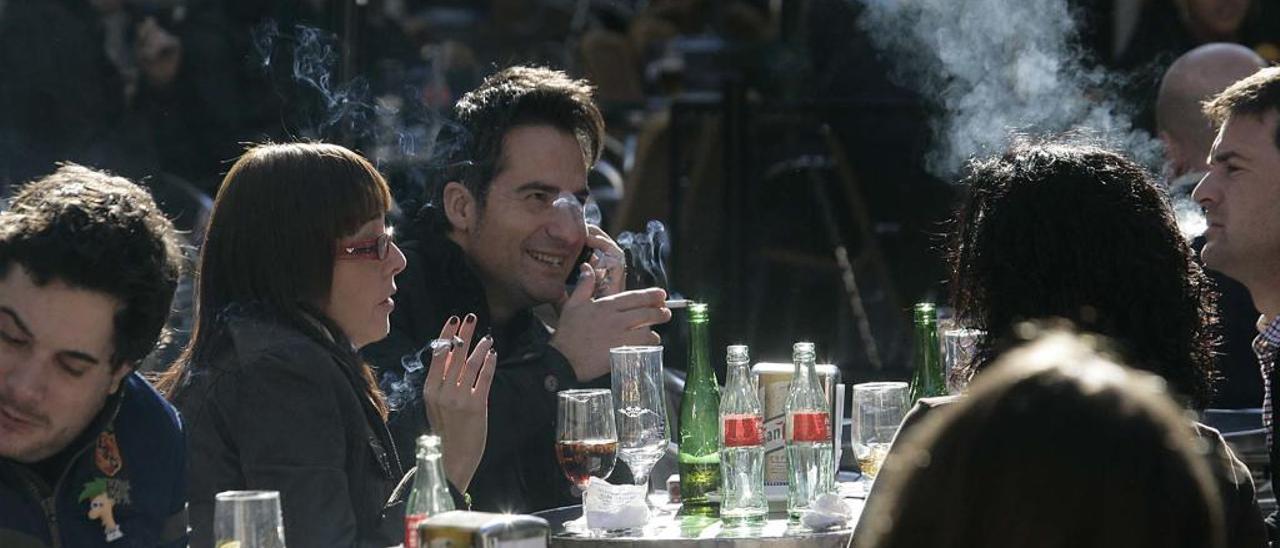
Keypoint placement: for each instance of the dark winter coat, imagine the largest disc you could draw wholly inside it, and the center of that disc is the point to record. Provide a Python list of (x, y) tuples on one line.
[(279, 407), (136, 446), (518, 472)]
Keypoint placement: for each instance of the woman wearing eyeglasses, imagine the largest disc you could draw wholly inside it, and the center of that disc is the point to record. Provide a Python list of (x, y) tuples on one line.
[(296, 274)]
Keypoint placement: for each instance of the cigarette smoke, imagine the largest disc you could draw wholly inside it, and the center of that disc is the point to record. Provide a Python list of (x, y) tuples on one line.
[(396, 124), (647, 254), (996, 67)]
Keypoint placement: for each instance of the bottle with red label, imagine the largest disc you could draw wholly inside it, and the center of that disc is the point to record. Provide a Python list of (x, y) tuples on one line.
[(808, 435), (742, 499), (430, 495)]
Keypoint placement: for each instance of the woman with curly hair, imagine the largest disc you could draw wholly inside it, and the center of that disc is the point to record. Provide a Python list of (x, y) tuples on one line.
[(1075, 232)]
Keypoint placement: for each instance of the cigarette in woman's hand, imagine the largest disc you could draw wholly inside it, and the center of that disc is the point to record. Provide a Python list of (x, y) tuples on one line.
[(440, 346)]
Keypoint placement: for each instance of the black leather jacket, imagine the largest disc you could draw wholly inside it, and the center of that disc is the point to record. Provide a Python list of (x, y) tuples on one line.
[(275, 408), (518, 472)]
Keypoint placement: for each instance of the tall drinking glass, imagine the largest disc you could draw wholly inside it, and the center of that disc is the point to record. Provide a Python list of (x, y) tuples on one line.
[(586, 438), (958, 345), (638, 397), (878, 408), (247, 519)]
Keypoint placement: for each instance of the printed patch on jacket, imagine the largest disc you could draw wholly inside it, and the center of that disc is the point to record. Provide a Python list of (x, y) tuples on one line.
[(104, 495), (106, 454)]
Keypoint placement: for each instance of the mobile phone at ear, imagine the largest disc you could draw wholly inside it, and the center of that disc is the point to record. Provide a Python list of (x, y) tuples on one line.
[(572, 281)]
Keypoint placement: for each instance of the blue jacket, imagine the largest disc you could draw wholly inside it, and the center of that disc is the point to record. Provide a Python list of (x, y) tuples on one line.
[(134, 452)]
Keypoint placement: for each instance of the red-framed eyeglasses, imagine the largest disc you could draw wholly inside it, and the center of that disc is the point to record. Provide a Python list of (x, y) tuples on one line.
[(374, 249)]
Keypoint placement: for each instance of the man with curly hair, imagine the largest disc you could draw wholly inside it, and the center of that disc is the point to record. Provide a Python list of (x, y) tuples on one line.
[(90, 454), (1241, 201)]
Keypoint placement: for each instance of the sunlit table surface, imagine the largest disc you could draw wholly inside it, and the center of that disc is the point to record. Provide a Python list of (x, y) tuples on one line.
[(665, 528)]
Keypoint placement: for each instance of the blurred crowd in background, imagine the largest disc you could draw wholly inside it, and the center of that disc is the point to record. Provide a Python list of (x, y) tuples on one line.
[(770, 136)]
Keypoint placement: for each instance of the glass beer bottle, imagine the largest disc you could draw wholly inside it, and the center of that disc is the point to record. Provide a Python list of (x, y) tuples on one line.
[(810, 459), (741, 444), (430, 495), (699, 461), (928, 381)]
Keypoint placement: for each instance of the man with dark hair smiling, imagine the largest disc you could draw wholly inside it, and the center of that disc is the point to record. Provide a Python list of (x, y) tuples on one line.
[(90, 454), (501, 237)]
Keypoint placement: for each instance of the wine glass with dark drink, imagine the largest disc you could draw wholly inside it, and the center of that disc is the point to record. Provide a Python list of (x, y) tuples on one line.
[(586, 438)]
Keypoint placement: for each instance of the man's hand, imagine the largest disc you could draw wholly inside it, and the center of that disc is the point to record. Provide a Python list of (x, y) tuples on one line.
[(456, 393), (159, 53), (589, 327), (610, 264)]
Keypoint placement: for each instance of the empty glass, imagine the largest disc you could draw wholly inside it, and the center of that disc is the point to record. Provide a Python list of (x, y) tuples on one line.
[(638, 397), (878, 408), (586, 439), (247, 519), (958, 345)]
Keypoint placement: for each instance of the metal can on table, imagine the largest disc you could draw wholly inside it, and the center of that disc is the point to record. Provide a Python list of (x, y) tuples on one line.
[(459, 529)]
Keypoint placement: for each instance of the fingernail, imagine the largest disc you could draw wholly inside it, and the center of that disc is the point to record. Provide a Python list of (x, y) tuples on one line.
[(471, 318), (493, 352), (453, 320), (487, 338)]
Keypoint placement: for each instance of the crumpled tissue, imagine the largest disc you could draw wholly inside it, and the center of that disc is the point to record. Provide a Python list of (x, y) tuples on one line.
[(827, 511), (608, 506)]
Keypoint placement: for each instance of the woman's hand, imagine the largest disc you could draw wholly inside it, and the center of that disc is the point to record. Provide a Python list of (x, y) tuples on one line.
[(456, 393)]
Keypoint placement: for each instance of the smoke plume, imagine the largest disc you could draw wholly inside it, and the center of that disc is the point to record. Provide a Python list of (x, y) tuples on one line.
[(994, 67)]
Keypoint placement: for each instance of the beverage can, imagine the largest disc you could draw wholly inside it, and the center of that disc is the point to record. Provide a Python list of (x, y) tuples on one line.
[(459, 529)]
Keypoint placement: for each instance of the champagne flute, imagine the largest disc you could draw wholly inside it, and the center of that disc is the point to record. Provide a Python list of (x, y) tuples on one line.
[(586, 438), (638, 396)]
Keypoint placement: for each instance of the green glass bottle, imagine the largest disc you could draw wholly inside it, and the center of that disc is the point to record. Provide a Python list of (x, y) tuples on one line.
[(699, 422), (928, 380)]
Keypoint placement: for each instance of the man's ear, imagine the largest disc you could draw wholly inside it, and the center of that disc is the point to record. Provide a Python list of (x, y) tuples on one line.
[(118, 376), (1175, 155), (459, 206)]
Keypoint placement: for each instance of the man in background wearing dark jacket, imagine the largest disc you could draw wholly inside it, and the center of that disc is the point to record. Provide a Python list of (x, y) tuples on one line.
[(501, 237), (90, 454)]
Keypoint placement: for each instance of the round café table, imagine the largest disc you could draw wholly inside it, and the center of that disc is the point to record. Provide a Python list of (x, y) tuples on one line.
[(665, 528)]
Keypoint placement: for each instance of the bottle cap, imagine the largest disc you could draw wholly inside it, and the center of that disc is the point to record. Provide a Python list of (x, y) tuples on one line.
[(803, 350), (737, 353), (428, 445), (926, 313), (698, 313)]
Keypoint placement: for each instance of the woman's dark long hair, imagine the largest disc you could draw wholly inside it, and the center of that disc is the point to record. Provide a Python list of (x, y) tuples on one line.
[(1077, 232), (271, 245)]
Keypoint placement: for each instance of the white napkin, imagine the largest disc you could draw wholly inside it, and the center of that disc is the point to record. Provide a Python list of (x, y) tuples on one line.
[(827, 511), (608, 506)]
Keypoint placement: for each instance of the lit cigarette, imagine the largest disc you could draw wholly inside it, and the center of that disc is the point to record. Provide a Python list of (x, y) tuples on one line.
[(440, 346), (679, 303)]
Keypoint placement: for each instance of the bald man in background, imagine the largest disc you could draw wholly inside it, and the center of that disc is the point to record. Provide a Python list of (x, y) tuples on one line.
[(1188, 134)]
